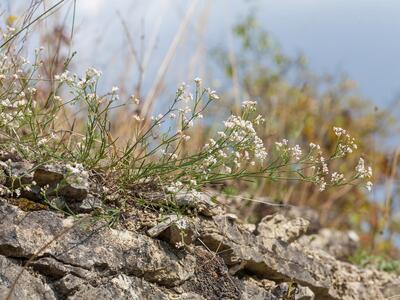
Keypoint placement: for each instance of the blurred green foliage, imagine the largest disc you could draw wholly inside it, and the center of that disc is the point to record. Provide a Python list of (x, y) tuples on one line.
[(380, 262)]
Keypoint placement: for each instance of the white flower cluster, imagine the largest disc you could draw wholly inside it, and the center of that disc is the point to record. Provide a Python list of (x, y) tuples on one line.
[(339, 131), (92, 73), (315, 147), (320, 181), (18, 98), (250, 105), (237, 146), (294, 152), (66, 77), (318, 164), (346, 142), (337, 177), (243, 134), (363, 172), (212, 94), (282, 144)]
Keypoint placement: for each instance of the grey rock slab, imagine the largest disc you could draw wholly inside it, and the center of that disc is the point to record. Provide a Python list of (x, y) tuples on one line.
[(49, 174), (163, 225), (53, 268), (18, 173), (339, 244), (63, 180), (191, 200), (276, 260), (278, 227), (199, 201), (175, 230), (120, 287), (96, 248), (28, 287), (293, 291), (68, 285), (88, 204), (86, 260), (253, 291)]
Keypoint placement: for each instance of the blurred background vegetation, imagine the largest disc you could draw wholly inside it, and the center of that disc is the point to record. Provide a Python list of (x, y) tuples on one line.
[(298, 104)]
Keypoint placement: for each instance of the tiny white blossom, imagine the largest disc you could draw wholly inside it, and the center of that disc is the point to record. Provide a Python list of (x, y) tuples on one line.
[(213, 95), (339, 131), (337, 177), (369, 185), (251, 105), (361, 171)]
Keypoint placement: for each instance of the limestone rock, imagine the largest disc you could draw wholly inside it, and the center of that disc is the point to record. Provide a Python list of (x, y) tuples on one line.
[(175, 230), (292, 291), (88, 204), (276, 260), (17, 173), (63, 180), (30, 286), (162, 226), (211, 278), (339, 244), (199, 202), (118, 287), (254, 290), (139, 255), (278, 227), (224, 260)]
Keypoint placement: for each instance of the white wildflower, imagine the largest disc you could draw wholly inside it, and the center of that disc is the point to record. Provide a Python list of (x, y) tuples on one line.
[(320, 181), (337, 177), (221, 134), (251, 105), (135, 99), (227, 170), (281, 144), (213, 95), (369, 185), (339, 131), (362, 171), (315, 146), (92, 72), (296, 152)]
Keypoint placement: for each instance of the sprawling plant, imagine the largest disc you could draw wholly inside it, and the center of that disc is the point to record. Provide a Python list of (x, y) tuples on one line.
[(40, 130)]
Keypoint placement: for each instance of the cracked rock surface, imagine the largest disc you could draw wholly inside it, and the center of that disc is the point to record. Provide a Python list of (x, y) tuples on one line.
[(44, 255)]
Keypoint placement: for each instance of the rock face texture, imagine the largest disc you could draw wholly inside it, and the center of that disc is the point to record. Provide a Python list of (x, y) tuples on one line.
[(44, 255)]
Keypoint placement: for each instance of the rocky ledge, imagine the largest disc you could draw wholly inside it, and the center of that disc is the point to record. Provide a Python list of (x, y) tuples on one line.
[(204, 255)]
